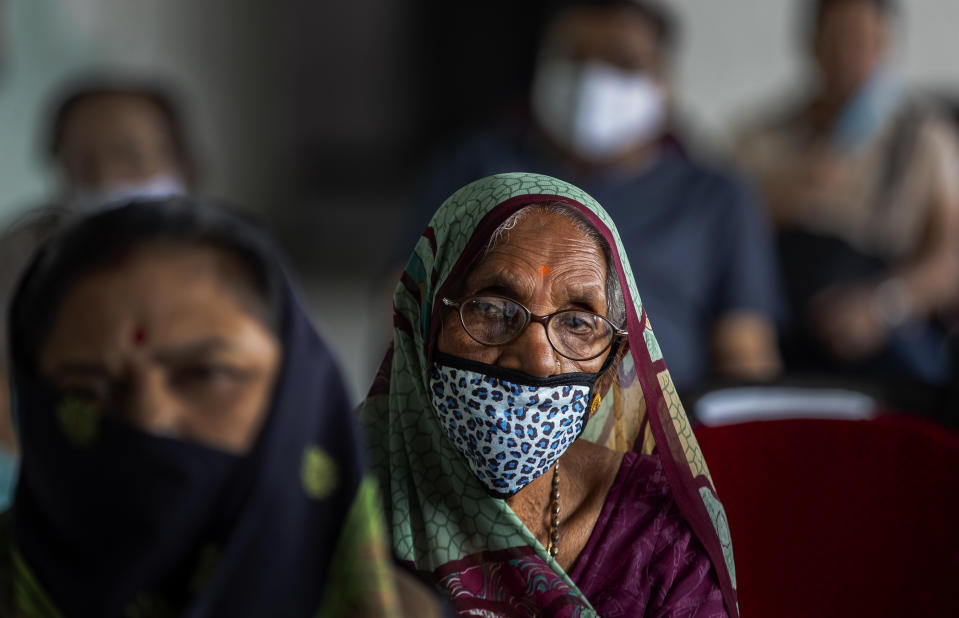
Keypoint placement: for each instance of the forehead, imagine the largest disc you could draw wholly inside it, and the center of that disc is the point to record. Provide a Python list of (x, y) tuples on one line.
[(598, 28), (172, 289), (847, 12), (543, 248), (119, 111)]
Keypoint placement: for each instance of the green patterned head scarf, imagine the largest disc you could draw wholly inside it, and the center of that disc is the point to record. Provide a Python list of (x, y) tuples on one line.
[(443, 522)]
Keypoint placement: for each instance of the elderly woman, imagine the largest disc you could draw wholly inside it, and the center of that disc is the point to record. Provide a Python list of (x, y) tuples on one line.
[(187, 442), (524, 426)]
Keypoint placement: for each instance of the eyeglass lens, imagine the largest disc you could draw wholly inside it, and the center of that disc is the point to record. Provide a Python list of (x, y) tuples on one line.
[(578, 335)]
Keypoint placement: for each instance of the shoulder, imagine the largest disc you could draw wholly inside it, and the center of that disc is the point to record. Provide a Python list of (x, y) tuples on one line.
[(772, 120), (923, 138), (643, 552), (638, 511), (933, 126), (711, 185), (767, 140)]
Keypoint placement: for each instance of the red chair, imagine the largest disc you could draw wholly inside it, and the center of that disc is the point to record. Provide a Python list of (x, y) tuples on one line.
[(840, 518)]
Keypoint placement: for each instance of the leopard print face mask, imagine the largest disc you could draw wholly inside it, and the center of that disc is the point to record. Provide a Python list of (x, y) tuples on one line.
[(511, 427)]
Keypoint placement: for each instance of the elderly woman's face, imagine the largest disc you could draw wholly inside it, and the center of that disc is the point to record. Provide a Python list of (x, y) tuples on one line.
[(164, 341), (548, 264)]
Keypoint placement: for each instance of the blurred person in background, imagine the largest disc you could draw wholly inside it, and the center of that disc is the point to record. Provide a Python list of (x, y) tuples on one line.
[(188, 443), (115, 141), (108, 141), (862, 181), (600, 117)]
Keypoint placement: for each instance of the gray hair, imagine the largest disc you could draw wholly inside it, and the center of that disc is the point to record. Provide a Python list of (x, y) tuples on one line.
[(615, 303)]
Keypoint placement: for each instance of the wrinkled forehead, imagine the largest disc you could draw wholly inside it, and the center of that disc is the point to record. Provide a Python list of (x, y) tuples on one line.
[(485, 232), (541, 244)]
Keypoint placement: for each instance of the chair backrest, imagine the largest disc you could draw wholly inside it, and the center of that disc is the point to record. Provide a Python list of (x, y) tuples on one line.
[(840, 518)]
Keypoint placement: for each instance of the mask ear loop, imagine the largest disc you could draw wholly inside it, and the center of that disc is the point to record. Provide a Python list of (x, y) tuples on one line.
[(616, 353)]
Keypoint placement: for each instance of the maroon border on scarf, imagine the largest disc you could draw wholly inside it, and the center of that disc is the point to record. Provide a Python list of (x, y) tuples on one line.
[(497, 555), (678, 475)]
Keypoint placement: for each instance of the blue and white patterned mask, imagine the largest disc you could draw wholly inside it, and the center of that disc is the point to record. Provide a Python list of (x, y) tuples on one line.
[(510, 426)]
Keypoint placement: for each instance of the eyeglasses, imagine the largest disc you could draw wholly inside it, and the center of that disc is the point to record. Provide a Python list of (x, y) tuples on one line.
[(494, 320)]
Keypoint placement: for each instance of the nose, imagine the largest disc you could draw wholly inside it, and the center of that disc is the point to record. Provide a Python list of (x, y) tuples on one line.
[(151, 406), (530, 353)]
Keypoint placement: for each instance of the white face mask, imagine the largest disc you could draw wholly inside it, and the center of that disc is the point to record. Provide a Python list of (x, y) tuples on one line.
[(158, 187), (596, 110)]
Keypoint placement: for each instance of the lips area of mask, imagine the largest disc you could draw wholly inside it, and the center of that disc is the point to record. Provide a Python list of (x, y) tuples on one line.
[(596, 110), (511, 428)]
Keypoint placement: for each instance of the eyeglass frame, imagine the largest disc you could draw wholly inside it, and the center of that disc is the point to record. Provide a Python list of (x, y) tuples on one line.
[(530, 318)]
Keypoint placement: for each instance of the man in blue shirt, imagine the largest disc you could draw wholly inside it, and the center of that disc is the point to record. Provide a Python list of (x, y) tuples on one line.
[(696, 240)]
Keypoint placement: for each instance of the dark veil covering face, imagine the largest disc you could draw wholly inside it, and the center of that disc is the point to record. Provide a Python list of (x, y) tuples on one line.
[(443, 521), (109, 520)]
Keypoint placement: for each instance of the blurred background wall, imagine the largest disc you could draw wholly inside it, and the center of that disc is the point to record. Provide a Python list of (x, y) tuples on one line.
[(319, 115)]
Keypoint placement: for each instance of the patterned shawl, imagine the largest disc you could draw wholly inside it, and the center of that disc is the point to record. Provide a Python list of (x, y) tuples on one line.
[(442, 521)]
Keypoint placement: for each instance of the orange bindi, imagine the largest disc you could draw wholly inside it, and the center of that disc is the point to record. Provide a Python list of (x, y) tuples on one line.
[(544, 270)]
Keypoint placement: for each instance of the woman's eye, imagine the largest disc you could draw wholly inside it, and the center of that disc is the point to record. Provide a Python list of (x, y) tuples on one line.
[(487, 310), (578, 324), (202, 375)]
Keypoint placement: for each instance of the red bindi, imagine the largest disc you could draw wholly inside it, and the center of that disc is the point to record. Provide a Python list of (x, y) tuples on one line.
[(139, 336), (544, 270)]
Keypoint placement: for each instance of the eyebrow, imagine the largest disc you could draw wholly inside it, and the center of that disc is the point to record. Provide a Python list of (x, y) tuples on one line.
[(499, 284), (170, 354), (191, 349), (588, 297)]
